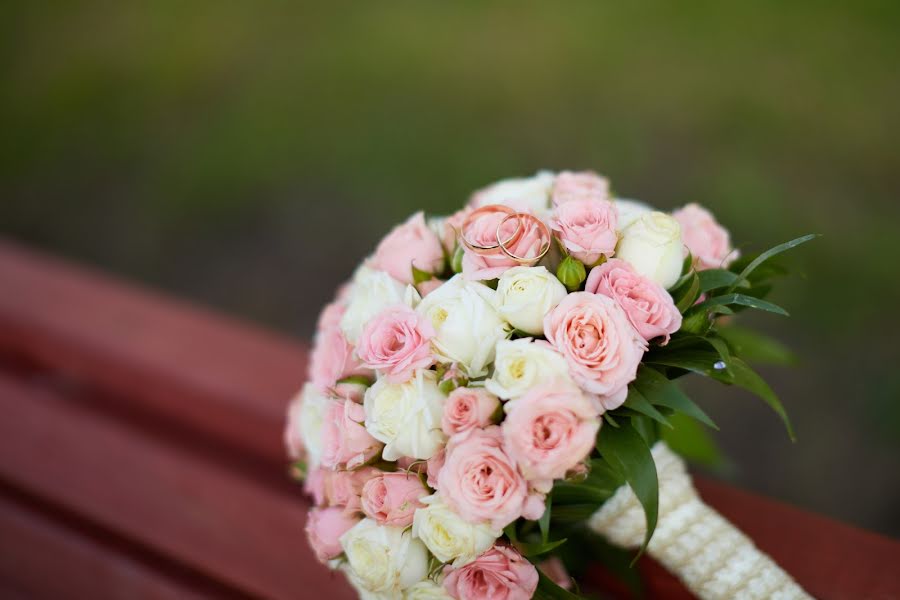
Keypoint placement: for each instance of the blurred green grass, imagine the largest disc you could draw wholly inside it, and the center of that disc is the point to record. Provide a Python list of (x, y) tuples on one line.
[(221, 150)]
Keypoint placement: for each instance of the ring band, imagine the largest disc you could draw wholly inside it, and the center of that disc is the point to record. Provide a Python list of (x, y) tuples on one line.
[(477, 214), (520, 231)]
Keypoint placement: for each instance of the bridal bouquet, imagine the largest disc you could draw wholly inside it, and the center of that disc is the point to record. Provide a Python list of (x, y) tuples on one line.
[(492, 392)]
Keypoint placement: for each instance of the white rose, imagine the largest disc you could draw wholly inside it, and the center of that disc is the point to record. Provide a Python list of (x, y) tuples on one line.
[(653, 246), (383, 559), (629, 211), (426, 590), (406, 416), (522, 364), (526, 294), (371, 291), (448, 536), (523, 194), (466, 323), (309, 423)]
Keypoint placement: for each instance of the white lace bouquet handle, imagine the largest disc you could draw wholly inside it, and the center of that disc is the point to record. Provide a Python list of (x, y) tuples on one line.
[(694, 542)]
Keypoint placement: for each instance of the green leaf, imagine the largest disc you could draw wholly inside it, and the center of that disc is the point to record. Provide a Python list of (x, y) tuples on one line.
[(742, 300), (694, 360), (357, 380), (544, 521), (626, 450), (602, 476), (636, 401), (764, 256), (565, 494), (750, 380), (420, 276), (686, 270), (510, 531), (755, 347), (548, 590), (689, 439), (712, 279), (456, 259), (659, 390), (574, 513), (686, 296), (529, 549), (609, 419)]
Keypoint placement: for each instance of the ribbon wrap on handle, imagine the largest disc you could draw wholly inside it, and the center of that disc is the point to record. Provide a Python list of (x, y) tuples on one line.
[(694, 542)]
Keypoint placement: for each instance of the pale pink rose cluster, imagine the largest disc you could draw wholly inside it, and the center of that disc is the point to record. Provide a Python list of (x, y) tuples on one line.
[(482, 426)]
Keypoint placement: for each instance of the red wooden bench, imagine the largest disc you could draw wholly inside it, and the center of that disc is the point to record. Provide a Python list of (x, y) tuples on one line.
[(140, 457)]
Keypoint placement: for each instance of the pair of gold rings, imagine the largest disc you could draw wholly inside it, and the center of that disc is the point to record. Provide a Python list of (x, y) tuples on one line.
[(525, 224)]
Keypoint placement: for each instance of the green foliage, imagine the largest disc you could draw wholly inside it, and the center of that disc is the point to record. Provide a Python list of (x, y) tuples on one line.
[(548, 590), (755, 347), (660, 391), (758, 260), (627, 451), (532, 549), (544, 521), (690, 440), (712, 304), (420, 276)]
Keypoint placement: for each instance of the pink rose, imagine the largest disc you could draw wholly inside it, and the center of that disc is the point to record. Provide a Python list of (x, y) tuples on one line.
[(314, 484), (324, 528), (501, 573), (549, 430), (451, 227), (579, 186), (649, 307), (408, 245), (293, 441), (483, 231), (433, 468), (396, 342), (332, 313), (601, 346), (426, 287), (332, 356), (392, 498), (344, 488), (708, 242), (479, 481), (331, 359), (345, 441), (587, 228), (467, 408)]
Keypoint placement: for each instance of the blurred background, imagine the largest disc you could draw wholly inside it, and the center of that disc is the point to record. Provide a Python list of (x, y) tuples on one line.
[(247, 155)]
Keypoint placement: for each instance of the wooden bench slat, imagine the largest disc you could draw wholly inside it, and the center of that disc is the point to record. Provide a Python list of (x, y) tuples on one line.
[(211, 373), (241, 533), (83, 567)]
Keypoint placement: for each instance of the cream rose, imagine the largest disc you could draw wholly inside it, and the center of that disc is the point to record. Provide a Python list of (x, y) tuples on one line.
[(526, 294), (448, 536), (303, 433), (652, 244), (371, 292), (523, 194), (629, 211), (406, 416), (466, 323), (521, 364), (426, 590), (383, 559)]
